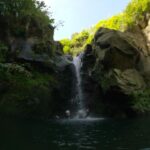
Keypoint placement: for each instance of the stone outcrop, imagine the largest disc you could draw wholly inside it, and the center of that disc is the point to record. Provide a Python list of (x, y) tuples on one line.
[(119, 68), (117, 60)]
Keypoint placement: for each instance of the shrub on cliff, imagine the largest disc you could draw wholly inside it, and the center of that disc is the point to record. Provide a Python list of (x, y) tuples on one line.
[(67, 45), (141, 101), (136, 10)]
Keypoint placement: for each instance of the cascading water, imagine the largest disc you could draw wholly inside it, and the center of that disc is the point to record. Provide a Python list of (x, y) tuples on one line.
[(79, 109), (79, 98)]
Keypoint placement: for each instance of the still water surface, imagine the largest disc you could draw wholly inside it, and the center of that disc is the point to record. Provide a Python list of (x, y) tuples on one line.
[(91, 134)]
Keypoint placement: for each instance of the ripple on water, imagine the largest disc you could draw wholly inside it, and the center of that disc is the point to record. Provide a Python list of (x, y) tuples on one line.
[(89, 119), (87, 147)]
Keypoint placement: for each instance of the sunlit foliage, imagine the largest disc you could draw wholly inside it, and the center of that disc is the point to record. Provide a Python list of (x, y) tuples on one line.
[(77, 42), (136, 10)]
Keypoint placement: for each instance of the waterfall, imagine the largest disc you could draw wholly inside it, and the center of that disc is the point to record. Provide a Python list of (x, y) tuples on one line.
[(79, 97)]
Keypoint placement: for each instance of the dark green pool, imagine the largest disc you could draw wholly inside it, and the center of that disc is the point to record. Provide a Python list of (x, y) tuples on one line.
[(96, 134)]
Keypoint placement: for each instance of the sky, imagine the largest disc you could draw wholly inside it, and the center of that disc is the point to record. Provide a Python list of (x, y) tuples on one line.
[(77, 15)]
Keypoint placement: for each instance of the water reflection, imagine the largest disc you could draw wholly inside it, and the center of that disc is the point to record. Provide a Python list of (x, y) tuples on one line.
[(96, 134)]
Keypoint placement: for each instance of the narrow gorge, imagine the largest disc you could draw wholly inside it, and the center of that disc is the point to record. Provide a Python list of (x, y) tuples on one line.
[(104, 70), (87, 92)]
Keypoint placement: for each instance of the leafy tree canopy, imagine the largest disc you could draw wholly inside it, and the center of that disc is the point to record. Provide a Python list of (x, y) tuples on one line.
[(19, 15)]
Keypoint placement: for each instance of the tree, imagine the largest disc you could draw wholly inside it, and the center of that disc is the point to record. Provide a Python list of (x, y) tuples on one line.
[(20, 15)]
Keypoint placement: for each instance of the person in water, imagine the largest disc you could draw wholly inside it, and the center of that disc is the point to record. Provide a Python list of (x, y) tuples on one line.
[(67, 112)]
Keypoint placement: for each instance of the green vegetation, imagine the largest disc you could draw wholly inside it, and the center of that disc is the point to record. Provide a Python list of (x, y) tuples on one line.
[(76, 44), (3, 52), (141, 101), (24, 89), (135, 11), (24, 92), (24, 18)]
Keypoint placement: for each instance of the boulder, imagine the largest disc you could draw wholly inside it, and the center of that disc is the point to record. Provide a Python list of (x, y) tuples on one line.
[(114, 49), (117, 66), (116, 60), (129, 80)]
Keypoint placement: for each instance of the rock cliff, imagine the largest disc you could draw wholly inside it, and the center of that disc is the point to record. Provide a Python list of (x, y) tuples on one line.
[(118, 63)]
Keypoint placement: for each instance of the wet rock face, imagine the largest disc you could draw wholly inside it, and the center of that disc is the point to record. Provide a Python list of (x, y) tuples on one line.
[(64, 92), (91, 90), (115, 64)]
